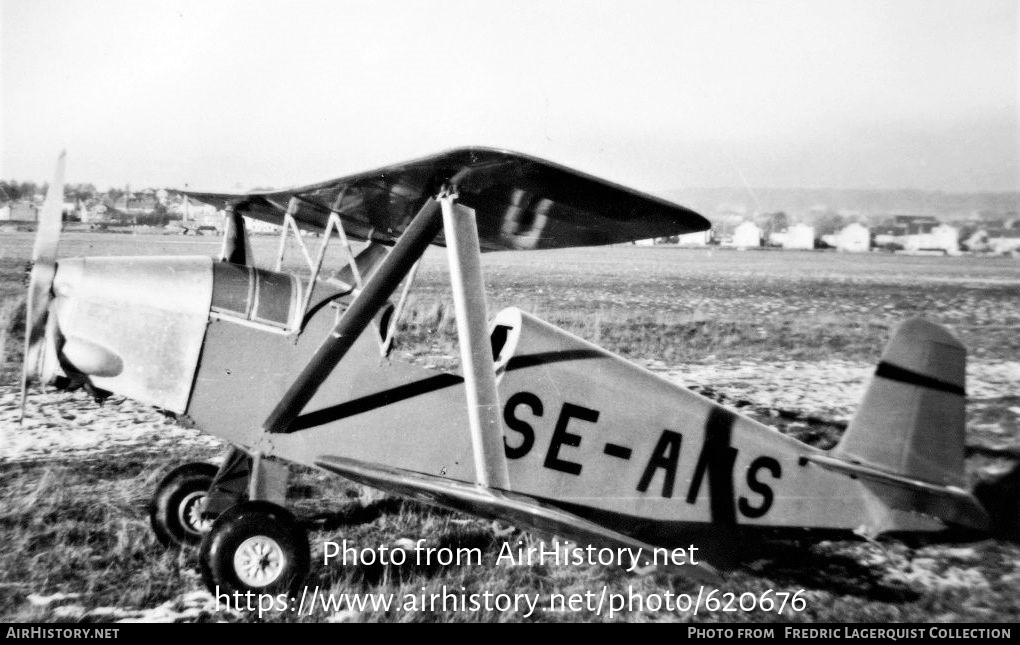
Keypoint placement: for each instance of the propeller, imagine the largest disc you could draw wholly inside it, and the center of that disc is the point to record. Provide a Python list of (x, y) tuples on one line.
[(44, 267)]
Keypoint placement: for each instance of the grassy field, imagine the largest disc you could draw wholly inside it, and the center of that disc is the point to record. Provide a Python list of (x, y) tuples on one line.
[(76, 523)]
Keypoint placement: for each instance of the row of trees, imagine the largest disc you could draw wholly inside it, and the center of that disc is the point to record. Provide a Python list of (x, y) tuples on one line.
[(13, 190)]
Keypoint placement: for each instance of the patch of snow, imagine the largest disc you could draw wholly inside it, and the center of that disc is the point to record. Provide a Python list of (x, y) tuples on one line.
[(69, 612), (59, 423), (186, 607), (832, 389), (922, 572), (37, 600), (960, 553)]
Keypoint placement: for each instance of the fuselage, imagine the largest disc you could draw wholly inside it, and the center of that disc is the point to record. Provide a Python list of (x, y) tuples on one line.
[(584, 429)]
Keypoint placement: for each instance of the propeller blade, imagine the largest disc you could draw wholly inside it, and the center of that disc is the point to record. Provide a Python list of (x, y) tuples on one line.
[(44, 264)]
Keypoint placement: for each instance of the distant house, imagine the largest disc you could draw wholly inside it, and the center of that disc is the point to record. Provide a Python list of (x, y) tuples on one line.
[(258, 226), (701, 238), (98, 213), (994, 240), (747, 235), (205, 215), (778, 238), (20, 211), (854, 238), (977, 242), (193, 210), (1004, 241), (946, 238), (799, 236), (140, 204), (941, 237)]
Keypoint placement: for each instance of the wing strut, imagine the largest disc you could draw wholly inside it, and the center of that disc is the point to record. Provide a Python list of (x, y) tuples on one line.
[(236, 247), (464, 253), (416, 238)]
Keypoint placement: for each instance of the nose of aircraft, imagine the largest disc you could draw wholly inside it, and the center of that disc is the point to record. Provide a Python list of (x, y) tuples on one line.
[(47, 342), (132, 325), (61, 352)]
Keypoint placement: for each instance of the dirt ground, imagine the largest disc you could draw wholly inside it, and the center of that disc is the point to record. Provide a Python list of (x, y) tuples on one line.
[(789, 338)]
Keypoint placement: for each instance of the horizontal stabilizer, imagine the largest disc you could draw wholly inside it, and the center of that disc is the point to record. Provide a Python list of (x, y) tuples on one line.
[(948, 503)]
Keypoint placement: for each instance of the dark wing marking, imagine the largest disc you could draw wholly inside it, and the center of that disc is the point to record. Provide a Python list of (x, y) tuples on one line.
[(520, 202)]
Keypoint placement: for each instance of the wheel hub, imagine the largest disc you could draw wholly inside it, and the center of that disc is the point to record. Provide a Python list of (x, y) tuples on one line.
[(190, 514), (259, 561)]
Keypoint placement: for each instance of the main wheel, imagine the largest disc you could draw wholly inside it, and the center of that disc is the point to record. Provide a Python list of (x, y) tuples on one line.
[(255, 547), (176, 508)]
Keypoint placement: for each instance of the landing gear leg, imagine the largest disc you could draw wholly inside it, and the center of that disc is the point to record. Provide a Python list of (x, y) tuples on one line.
[(192, 496)]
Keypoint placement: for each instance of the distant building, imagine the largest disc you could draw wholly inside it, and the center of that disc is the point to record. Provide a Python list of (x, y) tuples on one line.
[(941, 237), (946, 238), (994, 240), (854, 238), (1005, 241), (208, 217), (190, 209), (800, 236), (701, 238), (20, 211), (257, 226), (747, 235), (977, 242), (94, 215), (141, 204), (890, 237)]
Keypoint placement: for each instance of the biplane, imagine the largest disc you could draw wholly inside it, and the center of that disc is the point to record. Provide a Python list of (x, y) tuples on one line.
[(538, 427)]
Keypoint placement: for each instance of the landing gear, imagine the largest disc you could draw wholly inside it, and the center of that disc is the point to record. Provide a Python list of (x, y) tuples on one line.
[(190, 497), (177, 507), (255, 547)]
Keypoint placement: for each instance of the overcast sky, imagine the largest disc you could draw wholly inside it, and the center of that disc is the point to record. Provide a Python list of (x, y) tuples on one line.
[(659, 95)]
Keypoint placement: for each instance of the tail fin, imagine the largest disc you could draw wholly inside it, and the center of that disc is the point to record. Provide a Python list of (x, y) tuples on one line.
[(911, 421)]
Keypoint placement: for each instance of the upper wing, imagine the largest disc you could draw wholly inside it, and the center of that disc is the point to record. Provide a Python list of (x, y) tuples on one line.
[(520, 202), (499, 505)]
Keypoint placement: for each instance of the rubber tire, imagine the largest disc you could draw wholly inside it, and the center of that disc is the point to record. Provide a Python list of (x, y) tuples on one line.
[(243, 521), (171, 491)]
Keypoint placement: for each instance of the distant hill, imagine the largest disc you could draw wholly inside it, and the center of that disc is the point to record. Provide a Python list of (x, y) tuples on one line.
[(871, 204)]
